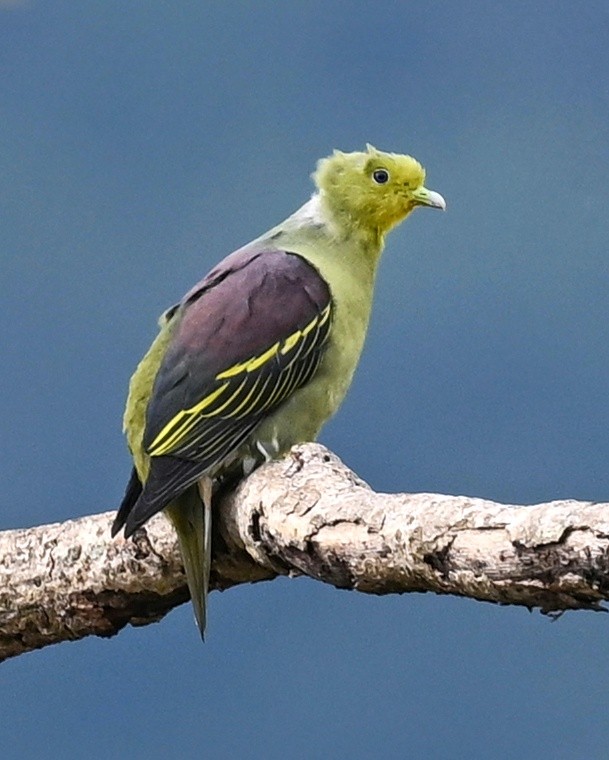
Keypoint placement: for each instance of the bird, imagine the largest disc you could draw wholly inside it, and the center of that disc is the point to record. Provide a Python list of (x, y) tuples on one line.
[(260, 353)]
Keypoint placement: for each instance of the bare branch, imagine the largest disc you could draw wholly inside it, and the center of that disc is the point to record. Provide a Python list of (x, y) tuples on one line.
[(304, 515)]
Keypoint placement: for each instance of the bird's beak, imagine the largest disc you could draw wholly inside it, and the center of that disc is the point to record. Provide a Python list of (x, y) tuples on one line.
[(424, 197)]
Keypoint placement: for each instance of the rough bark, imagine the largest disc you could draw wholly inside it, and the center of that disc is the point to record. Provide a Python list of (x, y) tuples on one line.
[(304, 515)]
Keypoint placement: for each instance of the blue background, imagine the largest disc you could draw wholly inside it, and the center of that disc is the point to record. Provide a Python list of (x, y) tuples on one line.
[(140, 143)]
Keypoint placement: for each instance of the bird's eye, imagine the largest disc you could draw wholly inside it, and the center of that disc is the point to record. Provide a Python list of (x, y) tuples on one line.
[(380, 176)]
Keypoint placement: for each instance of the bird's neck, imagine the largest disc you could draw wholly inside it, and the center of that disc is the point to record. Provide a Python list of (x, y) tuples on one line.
[(317, 215)]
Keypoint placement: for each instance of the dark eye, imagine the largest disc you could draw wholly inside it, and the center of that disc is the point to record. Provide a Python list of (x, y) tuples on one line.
[(380, 176)]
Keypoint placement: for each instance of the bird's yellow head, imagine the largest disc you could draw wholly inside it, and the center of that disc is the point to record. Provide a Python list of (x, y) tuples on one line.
[(373, 191)]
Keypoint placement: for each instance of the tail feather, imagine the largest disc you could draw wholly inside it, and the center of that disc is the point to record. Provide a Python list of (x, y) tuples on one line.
[(192, 521), (190, 513)]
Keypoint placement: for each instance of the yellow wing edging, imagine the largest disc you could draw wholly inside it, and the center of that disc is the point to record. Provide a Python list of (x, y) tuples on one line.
[(281, 347), (179, 425), (183, 422)]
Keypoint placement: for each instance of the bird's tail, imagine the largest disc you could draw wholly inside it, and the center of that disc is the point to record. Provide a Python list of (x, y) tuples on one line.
[(190, 514)]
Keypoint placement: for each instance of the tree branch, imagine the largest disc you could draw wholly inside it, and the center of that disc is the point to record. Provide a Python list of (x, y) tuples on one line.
[(306, 514)]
